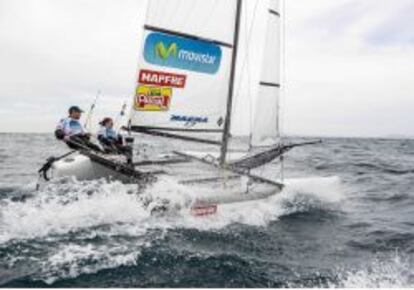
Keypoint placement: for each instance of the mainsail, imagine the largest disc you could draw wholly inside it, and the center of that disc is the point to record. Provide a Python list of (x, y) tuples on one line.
[(266, 128), (185, 68)]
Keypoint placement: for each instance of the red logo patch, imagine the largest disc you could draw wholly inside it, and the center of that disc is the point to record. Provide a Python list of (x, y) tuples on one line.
[(162, 79), (204, 210)]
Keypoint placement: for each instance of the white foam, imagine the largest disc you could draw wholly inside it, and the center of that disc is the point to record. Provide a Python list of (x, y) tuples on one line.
[(51, 212), (325, 192), (328, 189), (108, 211), (396, 272), (69, 261), (60, 209)]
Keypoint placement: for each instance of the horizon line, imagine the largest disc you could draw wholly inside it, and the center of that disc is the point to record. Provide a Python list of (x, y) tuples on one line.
[(289, 135)]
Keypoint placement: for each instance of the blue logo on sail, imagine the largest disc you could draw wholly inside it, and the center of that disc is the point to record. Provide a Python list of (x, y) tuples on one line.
[(182, 53)]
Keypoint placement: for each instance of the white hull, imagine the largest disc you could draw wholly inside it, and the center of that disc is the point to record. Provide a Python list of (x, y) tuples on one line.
[(82, 168), (216, 193), (236, 197)]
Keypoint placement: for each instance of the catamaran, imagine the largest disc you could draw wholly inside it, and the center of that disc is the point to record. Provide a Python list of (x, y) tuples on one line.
[(185, 92)]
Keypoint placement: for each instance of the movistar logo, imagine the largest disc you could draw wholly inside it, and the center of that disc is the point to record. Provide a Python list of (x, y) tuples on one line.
[(182, 53), (164, 52)]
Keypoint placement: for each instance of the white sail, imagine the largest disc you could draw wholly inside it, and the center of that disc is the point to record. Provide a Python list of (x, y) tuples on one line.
[(265, 129), (184, 66)]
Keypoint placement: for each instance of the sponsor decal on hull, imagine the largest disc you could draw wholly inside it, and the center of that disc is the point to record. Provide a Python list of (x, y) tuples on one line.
[(182, 53), (153, 99), (204, 210), (162, 79)]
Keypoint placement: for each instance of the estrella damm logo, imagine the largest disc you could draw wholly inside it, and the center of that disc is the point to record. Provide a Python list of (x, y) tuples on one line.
[(153, 99), (182, 53)]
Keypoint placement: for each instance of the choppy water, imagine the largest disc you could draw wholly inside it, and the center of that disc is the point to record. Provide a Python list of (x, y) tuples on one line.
[(346, 219)]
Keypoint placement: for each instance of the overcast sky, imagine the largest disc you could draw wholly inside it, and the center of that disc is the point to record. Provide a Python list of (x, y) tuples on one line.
[(349, 63)]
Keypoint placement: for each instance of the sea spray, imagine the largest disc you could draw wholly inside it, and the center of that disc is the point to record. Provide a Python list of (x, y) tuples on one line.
[(85, 227), (394, 271), (62, 208)]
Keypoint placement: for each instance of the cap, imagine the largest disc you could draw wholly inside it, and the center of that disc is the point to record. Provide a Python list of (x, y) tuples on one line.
[(75, 109)]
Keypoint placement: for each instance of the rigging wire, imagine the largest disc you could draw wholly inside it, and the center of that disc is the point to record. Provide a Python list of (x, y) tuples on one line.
[(249, 79), (281, 110), (121, 115), (131, 114), (284, 70), (88, 121)]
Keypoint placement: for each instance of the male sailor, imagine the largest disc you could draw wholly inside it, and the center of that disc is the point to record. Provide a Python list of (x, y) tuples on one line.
[(71, 131), (110, 139)]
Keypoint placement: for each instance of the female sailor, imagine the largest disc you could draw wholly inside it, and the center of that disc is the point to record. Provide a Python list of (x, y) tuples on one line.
[(111, 140)]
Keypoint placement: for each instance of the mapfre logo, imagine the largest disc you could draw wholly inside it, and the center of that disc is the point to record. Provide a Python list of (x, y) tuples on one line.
[(162, 79), (182, 53)]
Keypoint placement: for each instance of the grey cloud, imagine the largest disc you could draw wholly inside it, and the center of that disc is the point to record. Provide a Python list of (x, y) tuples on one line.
[(396, 30), (340, 81), (382, 22)]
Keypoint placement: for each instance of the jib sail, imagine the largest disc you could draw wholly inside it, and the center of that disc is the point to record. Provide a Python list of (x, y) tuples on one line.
[(266, 126)]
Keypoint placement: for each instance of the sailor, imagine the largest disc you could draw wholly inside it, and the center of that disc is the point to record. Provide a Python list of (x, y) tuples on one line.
[(109, 138), (71, 131)]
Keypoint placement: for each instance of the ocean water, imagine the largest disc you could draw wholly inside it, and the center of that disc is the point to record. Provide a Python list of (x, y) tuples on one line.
[(345, 219)]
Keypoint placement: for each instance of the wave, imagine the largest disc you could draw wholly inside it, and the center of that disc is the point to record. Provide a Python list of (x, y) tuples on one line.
[(389, 197), (6, 190), (392, 272), (363, 167), (384, 169), (382, 240), (85, 227), (63, 208), (70, 261), (71, 206)]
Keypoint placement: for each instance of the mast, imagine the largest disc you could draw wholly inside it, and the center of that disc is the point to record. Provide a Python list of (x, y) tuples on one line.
[(227, 124)]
